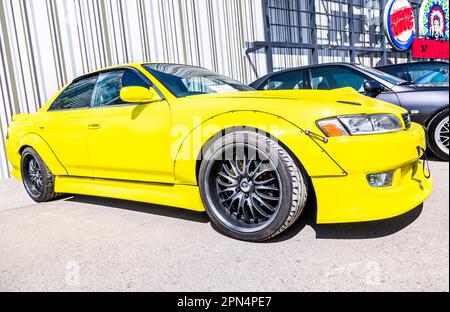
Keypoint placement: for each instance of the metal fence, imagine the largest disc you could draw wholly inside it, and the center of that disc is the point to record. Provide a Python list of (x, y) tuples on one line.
[(301, 32)]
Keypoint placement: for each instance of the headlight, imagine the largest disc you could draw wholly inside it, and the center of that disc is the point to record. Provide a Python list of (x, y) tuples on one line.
[(359, 124)]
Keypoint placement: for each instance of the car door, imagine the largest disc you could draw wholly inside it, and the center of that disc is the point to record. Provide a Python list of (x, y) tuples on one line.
[(129, 141), (65, 126)]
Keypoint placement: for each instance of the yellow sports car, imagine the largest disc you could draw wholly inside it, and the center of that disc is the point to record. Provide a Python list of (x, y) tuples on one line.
[(184, 136)]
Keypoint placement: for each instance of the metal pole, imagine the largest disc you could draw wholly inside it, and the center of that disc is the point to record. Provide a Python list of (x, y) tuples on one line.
[(312, 23), (352, 39), (269, 55), (383, 35)]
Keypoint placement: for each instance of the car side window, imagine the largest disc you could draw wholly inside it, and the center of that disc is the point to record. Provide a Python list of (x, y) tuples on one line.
[(107, 90), (76, 95), (397, 71), (285, 81), (424, 72), (326, 78)]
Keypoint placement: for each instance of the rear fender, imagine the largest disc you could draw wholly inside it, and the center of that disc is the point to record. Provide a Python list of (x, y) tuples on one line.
[(45, 152)]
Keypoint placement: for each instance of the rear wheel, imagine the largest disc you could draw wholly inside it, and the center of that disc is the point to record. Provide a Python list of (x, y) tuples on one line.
[(39, 182), (438, 135), (251, 187)]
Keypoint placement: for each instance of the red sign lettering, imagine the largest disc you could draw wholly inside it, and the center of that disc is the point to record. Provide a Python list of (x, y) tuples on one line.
[(431, 49), (402, 20)]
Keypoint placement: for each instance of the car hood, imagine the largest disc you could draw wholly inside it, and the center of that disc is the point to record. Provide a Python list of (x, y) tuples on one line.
[(424, 87), (343, 99), (300, 107)]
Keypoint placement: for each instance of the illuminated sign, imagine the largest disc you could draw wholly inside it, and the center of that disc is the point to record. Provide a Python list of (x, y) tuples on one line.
[(399, 24), (433, 19), (430, 49)]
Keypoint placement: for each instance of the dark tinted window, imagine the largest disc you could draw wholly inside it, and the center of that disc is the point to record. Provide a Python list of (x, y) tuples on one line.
[(425, 73), (285, 81), (325, 78), (381, 74), (107, 91), (397, 71), (77, 95)]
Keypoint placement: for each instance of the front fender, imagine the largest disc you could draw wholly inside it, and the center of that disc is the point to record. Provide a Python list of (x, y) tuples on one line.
[(41, 147), (313, 157)]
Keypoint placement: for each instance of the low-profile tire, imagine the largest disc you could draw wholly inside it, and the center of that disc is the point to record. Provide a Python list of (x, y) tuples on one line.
[(438, 136), (252, 189), (38, 180)]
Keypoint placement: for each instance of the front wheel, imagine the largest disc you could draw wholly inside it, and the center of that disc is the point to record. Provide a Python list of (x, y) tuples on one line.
[(251, 187), (438, 135)]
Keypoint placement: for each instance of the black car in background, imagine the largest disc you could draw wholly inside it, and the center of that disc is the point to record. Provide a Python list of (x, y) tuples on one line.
[(428, 103), (419, 72)]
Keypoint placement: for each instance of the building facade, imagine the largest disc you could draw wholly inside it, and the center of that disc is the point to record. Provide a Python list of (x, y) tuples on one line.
[(46, 43)]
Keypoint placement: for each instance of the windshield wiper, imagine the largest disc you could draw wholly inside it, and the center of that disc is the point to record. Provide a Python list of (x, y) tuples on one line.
[(405, 83)]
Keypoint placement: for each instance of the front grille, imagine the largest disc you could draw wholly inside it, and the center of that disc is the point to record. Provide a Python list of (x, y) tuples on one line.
[(407, 120)]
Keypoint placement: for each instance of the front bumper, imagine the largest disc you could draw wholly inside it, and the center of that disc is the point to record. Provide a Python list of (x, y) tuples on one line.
[(351, 199)]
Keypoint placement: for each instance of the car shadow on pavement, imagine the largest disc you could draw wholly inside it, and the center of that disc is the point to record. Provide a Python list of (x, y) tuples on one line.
[(171, 212), (357, 230)]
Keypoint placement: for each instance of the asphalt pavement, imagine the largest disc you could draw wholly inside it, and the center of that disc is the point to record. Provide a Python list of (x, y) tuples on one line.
[(83, 243)]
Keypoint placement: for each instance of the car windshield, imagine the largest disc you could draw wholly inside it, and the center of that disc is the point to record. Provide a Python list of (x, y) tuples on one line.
[(183, 80), (382, 75)]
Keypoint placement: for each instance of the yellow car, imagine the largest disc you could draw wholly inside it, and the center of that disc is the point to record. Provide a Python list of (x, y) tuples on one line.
[(184, 136)]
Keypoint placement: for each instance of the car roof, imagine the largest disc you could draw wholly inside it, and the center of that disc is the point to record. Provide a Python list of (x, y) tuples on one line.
[(258, 81), (129, 65), (347, 64), (414, 63)]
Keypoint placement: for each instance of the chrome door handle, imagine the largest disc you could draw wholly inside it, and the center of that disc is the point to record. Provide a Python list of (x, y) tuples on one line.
[(94, 126)]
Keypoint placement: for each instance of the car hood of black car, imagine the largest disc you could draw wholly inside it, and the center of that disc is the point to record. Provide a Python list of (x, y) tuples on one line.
[(422, 87)]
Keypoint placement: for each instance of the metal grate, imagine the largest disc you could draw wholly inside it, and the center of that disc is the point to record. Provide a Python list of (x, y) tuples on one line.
[(302, 32)]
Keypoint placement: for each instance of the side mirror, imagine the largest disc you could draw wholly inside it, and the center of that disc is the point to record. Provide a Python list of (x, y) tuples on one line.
[(137, 95), (373, 87)]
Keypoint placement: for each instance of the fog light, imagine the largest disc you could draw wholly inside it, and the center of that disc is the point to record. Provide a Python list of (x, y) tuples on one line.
[(380, 179)]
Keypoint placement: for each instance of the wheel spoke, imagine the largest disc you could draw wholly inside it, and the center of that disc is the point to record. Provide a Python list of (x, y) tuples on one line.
[(228, 189), (249, 201), (223, 175), (39, 184), (231, 197), (265, 181), (240, 165), (266, 188), (229, 172), (31, 169), (233, 167), (259, 209), (260, 200), (441, 135), (265, 196), (240, 206), (261, 173), (258, 166)]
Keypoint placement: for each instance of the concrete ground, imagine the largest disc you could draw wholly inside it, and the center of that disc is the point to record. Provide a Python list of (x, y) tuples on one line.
[(85, 243)]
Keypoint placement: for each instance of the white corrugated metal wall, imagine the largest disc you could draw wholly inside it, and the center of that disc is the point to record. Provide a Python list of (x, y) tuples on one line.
[(46, 43)]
